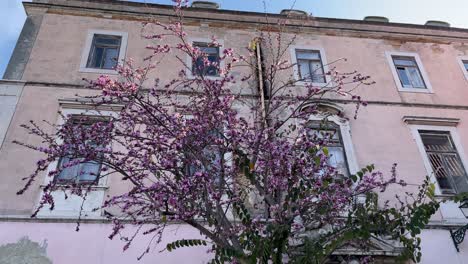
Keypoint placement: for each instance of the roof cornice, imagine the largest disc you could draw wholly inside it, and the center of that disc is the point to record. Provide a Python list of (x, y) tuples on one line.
[(330, 26)]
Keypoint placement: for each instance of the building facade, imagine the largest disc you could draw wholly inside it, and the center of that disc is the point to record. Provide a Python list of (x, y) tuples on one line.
[(417, 113)]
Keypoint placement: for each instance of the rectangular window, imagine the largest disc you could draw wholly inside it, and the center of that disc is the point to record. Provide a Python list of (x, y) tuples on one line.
[(330, 132), (104, 52), (445, 161), (408, 72), (84, 172), (310, 66), (211, 54)]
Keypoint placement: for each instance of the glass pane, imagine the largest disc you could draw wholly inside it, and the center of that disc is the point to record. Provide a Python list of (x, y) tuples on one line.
[(304, 71), (440, 171), (404, 61), (69, 173), (437, 142), (465, 63), (337, 159), (209, 50), (111, 58), (404, 79), (97, 58), (317, 72), (307, 55), (107, 40), (415, 77), (89, 171), (330, 134)]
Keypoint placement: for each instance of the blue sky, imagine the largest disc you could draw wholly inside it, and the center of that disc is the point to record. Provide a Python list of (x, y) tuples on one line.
[(406, 11)]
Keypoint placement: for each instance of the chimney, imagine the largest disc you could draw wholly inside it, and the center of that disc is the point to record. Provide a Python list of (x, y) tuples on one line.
[(436, 23), (205, 4), (376, 19), (294, 13)]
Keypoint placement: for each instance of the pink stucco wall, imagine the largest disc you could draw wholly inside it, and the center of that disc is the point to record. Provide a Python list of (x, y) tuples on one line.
[(91, 245), (379, 135)]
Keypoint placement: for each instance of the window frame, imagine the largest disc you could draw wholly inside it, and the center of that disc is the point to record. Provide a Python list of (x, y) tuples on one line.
[(345, 133), (419, 64), (460, 60), (77, 181), (452, 131), (97, 192), (293, 49), (189, 62), (85, 56)]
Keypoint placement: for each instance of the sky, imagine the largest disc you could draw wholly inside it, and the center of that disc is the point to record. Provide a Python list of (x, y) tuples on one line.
[(404, 11)]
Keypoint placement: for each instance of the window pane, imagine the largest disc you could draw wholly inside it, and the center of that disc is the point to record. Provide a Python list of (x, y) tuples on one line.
[(67, 174), (445, 161), (212, 54), (336, 151), (317, 72), (304, 71), (440, 172), (465, 63), (404, 61), (107, 40), (89, 171), (97, 57), (337, 159), (104, 52), (307, 55), (437, 142), (404, 79), (111, 58), (415, 77)]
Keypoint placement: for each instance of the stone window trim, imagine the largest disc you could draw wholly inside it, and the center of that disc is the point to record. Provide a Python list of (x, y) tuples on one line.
[(461, 62), (87, 49), (98, 190), (417, 59), (345, 133), (452, 131), (189, 62), (324, 60)]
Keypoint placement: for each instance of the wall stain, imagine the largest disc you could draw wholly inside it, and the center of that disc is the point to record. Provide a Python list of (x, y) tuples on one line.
[(24, 251)]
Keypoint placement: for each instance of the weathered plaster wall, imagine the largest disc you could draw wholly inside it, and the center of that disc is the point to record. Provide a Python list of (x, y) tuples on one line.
[(10, 93)]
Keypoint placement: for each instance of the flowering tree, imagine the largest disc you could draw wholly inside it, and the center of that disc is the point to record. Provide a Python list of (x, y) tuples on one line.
[(248, 170)]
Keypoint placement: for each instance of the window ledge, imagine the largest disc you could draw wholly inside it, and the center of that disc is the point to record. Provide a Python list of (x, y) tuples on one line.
[(100, 71), (438, 121), (302, 83), (415, 90), (93, 188)]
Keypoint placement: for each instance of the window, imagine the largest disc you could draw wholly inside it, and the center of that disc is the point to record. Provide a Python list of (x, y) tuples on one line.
[(330, 132), (210, 54), (104, 53), (408, 72), (85, 172), (445, 161), (103, 50), (310, 66), (463, 62)]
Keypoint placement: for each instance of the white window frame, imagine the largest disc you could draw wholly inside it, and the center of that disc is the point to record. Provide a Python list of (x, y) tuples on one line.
[(345, 132), (450, 210), (97, 193), (460, 60), (419, 63), (427, 164), (189, 62), (87, 50), (323, 57)]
